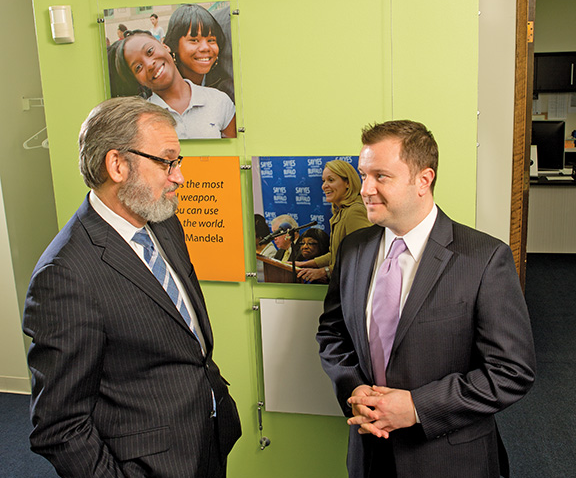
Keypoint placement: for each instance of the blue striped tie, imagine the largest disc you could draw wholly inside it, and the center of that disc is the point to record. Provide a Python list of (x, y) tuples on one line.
[(161, 272)]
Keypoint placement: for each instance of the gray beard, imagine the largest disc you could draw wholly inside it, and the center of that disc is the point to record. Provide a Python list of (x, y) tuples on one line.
[(138, 197)]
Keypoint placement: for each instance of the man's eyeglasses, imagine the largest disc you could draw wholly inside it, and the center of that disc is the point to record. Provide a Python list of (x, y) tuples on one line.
[(172, 163)]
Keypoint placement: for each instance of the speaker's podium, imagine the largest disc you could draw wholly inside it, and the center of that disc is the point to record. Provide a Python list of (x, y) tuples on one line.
[(276, 271)]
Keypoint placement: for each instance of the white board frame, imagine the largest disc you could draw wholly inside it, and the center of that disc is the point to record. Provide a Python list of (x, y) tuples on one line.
[(294, 381)]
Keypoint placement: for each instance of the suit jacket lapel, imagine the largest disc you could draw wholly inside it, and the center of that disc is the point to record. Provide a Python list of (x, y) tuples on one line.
[(364, 268), (122, 258), (177, 260), (433, 262)]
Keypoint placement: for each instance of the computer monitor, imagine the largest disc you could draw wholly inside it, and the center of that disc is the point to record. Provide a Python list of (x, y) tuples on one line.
[(548, 136)]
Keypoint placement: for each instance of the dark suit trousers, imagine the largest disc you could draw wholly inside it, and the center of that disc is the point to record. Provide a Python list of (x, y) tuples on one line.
[(382, 464)]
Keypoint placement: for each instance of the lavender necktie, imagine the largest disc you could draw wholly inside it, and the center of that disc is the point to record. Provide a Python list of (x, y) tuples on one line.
[(385, 310)]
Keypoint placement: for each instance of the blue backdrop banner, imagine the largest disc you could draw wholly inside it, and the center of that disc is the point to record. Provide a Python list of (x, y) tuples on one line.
[(293, 185)]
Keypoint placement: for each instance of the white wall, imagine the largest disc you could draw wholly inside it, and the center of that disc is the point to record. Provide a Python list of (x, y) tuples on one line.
[(27, 212), (13, 371), (496, 119)]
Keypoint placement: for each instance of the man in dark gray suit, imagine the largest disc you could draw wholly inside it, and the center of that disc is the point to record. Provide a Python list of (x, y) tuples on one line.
[(460, 345), (123, 381)]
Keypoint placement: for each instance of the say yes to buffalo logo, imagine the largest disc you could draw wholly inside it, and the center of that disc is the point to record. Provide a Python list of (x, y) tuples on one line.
[(303, 195), (266, 170), (289, 168), (315, 167), (280, 195)]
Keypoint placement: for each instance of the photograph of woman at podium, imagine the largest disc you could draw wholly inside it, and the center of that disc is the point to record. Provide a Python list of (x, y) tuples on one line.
[(314, 242), (341, 185)]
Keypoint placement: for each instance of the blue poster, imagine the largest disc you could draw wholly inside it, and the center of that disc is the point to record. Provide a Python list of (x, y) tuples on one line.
[(293, 185)]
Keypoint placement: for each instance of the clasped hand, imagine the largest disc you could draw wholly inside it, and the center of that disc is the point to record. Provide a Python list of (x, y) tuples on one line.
[(380, 410)]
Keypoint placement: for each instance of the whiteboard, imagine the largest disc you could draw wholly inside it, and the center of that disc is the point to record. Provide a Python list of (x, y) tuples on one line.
[(294, 381)]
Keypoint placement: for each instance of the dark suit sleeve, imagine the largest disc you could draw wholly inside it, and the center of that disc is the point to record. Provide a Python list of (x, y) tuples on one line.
[(337, 352), (503, 359), (66, 363)]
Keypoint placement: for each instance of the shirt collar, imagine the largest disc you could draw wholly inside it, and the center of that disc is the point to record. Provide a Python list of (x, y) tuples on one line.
[(417, 238), (121, 225), (197, 98)]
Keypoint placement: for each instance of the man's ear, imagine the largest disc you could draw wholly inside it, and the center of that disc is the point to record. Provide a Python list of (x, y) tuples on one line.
[(425, 180), (116, 166)]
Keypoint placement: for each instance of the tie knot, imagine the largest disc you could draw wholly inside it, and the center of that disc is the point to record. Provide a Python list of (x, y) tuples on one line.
[(143, 238), (397, 248)]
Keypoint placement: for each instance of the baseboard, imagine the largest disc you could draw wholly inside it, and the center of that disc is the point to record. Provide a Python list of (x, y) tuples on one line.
[(15, 385)]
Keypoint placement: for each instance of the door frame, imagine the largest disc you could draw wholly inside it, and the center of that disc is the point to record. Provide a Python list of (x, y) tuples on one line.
[(523, 84)]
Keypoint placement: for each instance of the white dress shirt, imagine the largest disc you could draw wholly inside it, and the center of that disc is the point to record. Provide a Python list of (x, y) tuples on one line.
[(409, 260), (127, 231)]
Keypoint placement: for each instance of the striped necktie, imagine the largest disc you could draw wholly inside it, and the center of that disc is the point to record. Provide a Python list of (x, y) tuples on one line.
[(161, 272)]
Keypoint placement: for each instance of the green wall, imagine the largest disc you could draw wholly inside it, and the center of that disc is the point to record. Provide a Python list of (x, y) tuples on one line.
[(309, 76)]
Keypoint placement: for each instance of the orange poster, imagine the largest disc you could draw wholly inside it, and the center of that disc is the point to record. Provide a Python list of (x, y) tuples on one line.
[(210, 210)]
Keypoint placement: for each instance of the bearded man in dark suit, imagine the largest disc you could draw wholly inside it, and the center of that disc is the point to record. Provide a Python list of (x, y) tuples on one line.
[(123, 381), (421, 388)]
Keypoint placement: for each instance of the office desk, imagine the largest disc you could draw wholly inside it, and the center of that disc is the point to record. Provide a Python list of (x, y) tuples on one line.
[(552, 216)]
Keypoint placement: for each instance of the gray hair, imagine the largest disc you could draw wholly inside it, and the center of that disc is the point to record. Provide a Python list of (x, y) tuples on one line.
[(284, 218), (113, 124)]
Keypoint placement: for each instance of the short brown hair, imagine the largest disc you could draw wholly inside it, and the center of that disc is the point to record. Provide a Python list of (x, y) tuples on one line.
[(418, 147)]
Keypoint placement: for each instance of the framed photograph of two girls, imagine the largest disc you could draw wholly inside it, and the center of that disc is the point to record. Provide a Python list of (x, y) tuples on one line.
[(178, 57)]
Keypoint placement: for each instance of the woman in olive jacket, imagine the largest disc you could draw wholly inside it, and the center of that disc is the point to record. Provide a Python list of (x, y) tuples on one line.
[(341, 185)]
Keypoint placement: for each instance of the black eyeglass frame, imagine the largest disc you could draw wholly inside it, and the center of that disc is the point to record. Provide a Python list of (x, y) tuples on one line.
[(169, 162)]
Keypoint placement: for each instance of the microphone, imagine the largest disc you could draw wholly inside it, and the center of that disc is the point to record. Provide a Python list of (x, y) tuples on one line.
[(283, 229), (271, 236)]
